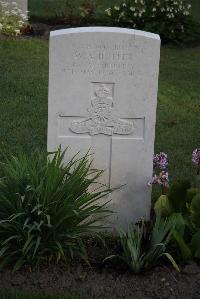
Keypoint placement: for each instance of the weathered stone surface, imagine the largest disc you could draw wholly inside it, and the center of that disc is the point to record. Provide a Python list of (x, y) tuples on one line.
[(103, 96)]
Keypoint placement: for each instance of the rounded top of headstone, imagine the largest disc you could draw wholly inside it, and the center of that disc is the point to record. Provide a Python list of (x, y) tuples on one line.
[(104, 30)]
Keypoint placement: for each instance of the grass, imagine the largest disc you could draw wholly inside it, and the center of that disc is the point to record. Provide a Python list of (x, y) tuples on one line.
[(24, 83), (178, 121), (24, 95)]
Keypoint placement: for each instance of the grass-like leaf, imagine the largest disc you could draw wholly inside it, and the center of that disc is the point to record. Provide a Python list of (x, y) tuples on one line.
[(47, 206), (143, 247)]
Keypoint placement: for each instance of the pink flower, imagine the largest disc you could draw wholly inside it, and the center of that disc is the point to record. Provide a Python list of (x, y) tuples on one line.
[(162, 179), (160, 161), (196, 156)]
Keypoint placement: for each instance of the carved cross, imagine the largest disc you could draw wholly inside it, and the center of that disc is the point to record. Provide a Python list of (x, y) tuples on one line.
[(101, 128)]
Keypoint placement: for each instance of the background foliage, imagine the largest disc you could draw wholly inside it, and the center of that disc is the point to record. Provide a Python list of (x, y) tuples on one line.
[(169, 18), (172, 23), (12, 19)]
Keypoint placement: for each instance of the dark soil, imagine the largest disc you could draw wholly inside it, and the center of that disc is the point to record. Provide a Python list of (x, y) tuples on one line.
[(110, 279), (161, 282)]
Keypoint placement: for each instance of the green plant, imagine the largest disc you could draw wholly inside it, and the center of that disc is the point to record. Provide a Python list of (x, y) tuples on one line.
[(12, 19), (142, 245), (183, 202), (87, 11), (171, 19), (128, 13), (77, 16), (47, 207), (178, 195)]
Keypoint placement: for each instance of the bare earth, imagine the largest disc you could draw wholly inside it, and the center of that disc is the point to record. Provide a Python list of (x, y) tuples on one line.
[(161, 282)]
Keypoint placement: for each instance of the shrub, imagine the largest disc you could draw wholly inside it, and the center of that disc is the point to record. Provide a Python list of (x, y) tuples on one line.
[(77, 16), (47, 207), (12, 19), (169, 18), (142, 246), (87, 11), (128, 13)]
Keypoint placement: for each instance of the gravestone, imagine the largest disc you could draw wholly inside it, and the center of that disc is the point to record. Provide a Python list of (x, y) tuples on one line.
[(103, 95)]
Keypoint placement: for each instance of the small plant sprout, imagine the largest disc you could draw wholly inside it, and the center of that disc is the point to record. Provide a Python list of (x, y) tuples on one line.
[(141, 247)]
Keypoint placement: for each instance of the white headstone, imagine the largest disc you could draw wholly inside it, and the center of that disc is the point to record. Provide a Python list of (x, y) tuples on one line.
[(103, 95)]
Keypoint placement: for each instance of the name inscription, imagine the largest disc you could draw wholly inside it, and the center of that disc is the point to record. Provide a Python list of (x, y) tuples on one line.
[(102, 58)]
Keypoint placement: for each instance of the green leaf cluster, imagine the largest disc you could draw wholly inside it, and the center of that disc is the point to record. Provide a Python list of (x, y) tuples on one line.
[(143, 245), (170, 19), (183, 201), (47, 206)]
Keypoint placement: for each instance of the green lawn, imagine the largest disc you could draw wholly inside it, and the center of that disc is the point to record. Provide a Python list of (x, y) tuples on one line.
[(178, 114), (24, 94), (23, 85)]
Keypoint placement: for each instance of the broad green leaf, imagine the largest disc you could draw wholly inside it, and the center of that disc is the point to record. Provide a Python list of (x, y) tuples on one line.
[(163, 206), (184, 248), (195, 244)]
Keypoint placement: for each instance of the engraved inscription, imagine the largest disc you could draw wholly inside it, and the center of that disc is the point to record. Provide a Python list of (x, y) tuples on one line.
[(101, 119), (103, 58)]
